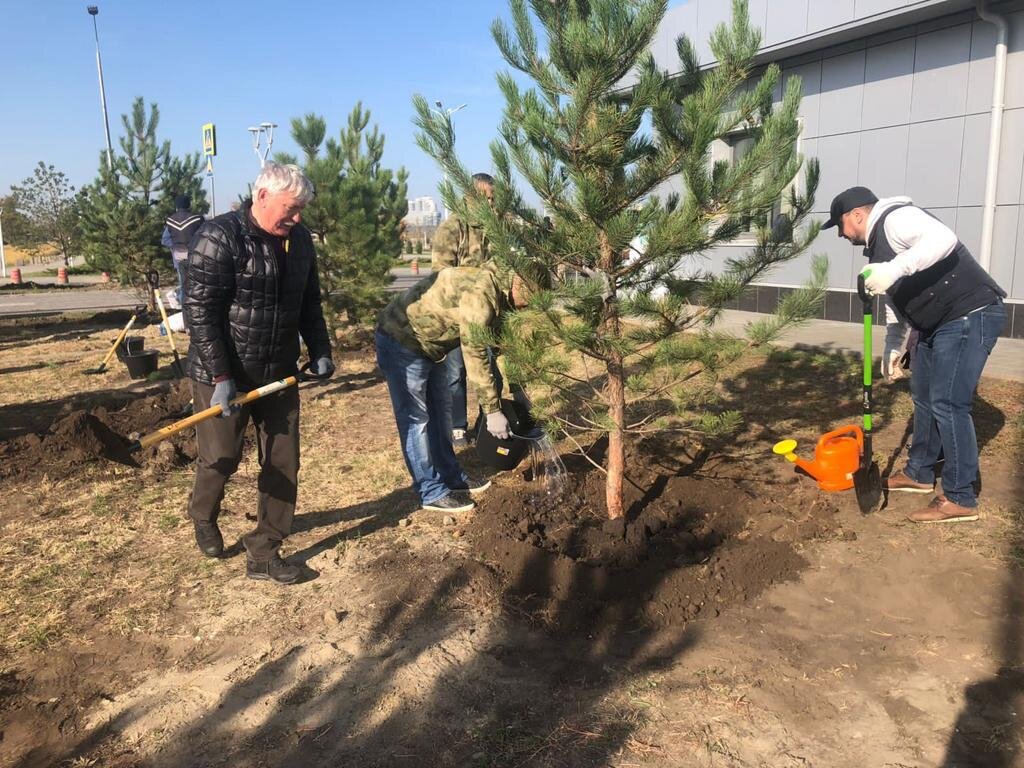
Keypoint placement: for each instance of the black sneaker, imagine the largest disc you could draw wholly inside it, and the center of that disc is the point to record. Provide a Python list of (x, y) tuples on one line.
[(449, 504), (473, 485), (274, 569), (208, 538), (459, 440)]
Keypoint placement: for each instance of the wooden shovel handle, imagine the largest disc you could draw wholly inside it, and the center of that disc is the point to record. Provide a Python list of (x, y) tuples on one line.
[(167, 325), (214, 410), (117, 342)]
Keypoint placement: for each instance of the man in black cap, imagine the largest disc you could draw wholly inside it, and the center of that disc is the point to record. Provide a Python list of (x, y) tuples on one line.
[(179, 229), (957, 308)]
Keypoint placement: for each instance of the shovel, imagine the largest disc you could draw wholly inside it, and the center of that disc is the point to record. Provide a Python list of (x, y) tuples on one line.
[(214, 410), (178, 371), (120, 337), (867, 480)]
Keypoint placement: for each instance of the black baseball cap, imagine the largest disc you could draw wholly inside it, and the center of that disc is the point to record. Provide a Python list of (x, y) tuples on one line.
[(846, 201)]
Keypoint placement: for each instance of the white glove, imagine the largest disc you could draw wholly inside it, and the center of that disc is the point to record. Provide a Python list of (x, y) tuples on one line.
[(879, 277), (497, 425), (895, 335)]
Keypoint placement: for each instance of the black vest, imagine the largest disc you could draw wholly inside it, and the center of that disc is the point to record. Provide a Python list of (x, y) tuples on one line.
[(182, 226), (946, 290)]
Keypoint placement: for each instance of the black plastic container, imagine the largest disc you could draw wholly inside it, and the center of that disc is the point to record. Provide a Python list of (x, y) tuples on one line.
[(141, 365), (132, 345), (505, 454)]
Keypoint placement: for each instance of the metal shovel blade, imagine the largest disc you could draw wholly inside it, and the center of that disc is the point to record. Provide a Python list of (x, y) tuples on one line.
[(867, 483)]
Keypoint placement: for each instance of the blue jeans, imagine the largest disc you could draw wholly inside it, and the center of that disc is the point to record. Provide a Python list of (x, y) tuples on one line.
[(420, 398), (180, 265), (943, 379), (456, 373)]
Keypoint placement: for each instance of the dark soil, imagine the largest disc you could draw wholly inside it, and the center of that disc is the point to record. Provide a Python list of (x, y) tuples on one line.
[(102, 434), (688, 548)]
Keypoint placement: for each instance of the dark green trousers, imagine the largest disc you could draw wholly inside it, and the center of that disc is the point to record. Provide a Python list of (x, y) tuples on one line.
[(276, 418)]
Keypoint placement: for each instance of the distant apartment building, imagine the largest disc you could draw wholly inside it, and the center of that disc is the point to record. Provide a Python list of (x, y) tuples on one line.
[(423, 212), (898, 97)]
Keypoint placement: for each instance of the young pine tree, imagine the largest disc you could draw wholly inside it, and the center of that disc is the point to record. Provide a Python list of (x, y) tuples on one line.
[(356, 215), (122, 212), (605, 342)]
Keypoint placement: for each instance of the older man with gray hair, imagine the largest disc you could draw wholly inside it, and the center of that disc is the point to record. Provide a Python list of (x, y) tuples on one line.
[(251, 290)]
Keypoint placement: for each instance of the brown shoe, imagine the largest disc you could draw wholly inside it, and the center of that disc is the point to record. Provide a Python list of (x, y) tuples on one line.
[(898, 481), (942, 510)]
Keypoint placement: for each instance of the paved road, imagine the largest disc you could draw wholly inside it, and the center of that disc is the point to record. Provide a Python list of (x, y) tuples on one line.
[(70, 300)]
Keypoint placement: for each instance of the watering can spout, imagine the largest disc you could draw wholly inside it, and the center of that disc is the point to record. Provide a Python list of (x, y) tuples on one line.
[(786, 449)]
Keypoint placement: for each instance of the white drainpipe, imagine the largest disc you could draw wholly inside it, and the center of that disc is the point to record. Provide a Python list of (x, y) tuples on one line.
[(995, 134)]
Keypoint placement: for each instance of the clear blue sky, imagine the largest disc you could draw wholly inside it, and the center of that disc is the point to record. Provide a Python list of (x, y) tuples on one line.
[(237, 64)]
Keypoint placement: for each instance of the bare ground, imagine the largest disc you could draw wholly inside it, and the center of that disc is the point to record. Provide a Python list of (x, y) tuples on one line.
[(743, 619)]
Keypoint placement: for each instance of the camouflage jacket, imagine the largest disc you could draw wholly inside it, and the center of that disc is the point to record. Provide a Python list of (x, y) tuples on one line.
[(457, 244), (438, 314)]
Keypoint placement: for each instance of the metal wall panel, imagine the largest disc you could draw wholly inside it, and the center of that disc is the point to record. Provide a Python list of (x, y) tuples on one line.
[(866, 8), (1016, 286), (979, 78), (968, 228), (823, 14), (1011, 158), (839, 157), (1004, 245), (933, 162), (810, 76), (941, 68), (888, 84), (883, 160), (1015, 61), (786, 19), (842, 93), (974, 160)]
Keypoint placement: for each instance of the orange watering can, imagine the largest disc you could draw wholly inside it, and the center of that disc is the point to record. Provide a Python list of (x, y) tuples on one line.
[(836, 457)]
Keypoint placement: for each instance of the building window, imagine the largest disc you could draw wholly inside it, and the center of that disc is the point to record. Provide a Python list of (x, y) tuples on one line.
[(732, 149)]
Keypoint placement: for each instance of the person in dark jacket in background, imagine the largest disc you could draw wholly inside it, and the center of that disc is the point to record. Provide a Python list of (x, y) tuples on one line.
[(179, 229), (252, 290)]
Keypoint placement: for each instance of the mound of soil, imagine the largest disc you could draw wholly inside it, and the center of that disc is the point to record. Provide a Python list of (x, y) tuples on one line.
[(101, 434), (688, 548)]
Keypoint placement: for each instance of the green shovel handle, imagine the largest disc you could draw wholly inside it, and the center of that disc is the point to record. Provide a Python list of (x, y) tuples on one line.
[(867, 302)]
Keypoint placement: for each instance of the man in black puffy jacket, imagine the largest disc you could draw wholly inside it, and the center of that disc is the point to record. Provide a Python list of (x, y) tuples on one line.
[(251, 289)]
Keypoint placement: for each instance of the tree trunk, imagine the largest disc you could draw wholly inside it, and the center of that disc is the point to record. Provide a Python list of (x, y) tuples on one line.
[(615, 389), (616, 446)]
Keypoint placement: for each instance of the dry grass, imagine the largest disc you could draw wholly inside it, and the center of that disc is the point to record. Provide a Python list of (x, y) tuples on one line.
[(104, 546)]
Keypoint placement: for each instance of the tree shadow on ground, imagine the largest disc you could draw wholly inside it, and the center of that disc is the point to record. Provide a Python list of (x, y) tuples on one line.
[(442, 677), (18, 331), (989, 732)]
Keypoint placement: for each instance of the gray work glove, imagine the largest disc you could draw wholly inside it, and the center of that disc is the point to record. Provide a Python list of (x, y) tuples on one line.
[(497, 425), (323, 366), (223, 393)]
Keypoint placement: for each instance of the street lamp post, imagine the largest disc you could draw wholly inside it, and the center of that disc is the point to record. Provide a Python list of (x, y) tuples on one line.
[(440, 110), (257, 132), (94, 12)]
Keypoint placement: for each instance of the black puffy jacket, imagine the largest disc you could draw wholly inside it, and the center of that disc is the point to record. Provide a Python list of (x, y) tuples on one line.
[(243, 315)]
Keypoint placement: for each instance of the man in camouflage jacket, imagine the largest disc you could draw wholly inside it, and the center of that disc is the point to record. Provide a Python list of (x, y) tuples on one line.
[(460, 243), (415, 333)]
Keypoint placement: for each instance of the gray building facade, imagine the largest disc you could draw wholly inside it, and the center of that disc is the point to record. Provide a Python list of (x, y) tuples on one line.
[(897, 97)]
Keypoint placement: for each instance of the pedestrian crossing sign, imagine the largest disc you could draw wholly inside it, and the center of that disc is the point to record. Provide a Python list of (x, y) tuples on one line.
[(209, 140)]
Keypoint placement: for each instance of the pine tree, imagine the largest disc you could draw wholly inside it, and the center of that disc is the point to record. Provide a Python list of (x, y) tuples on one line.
[(357, 213), (122, 212), (605, 342)]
